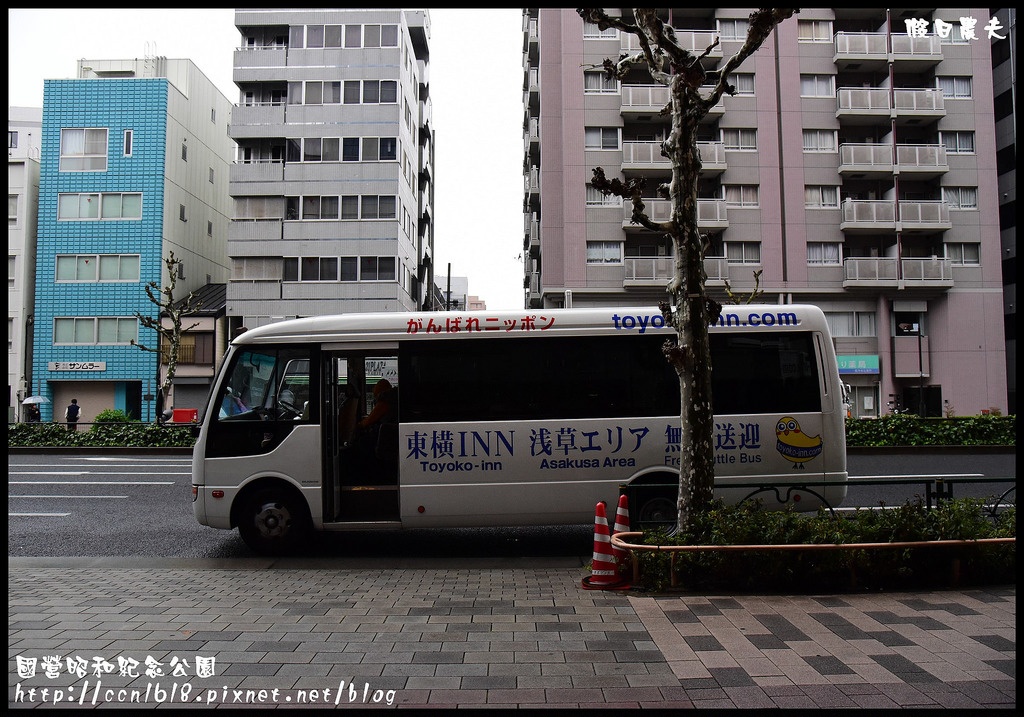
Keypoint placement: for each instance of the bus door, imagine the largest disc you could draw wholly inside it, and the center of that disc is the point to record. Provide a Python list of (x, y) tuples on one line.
[(361, 436)]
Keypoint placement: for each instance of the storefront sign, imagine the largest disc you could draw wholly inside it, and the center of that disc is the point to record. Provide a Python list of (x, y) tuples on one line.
[(861, 363), (78, 365)]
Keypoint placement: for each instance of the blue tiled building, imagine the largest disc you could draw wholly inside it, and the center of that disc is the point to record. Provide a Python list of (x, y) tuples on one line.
[(134, 165)]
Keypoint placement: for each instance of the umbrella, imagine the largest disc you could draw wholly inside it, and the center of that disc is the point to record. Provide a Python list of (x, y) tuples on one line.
[(36, 399)]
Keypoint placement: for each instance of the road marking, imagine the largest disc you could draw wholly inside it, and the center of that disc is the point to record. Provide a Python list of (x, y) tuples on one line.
[(75, 497), (38, 515), (97, 482)]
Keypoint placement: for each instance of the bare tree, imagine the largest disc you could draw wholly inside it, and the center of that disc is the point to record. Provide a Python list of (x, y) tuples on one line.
[(689, 310), (168, 337)]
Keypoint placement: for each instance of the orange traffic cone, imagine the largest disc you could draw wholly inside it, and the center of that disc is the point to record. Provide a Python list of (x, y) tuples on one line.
[(603, 575), (621, 526)]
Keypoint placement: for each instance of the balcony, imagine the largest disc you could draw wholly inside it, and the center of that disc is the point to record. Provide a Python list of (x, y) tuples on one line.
[(881, 273), (870, 105), (657, 271), (693, 41), (256, 113), (256, 56), (870, 51), (531, 135), (256, 229), (924, 216), (532, 233), (874, 161), (711, 213), (868, 216), (531, 181), (257, 170), (646, 101)]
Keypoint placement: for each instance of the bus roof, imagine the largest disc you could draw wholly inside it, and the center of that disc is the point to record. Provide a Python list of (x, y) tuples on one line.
[(520, 323)]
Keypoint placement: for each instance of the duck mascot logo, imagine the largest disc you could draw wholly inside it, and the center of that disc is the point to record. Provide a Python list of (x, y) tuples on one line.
[(794, 444)]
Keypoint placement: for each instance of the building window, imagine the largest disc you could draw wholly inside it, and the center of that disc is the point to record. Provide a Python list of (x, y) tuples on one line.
[(953, 34), (820, 253), (741, 195), (955, 88), (12, 262), (319, 207), (12, 140), (349, 266), (741, 140), (733, 30), (743, 252), (128, 139), (211, 175), (377, 268), (814, 30), (601, 138), (597, 198), (12, 210), (817, 86), (184, 150), (382, 92), (92, 331), (213, 115), (181, 213), (960, 197), (97, 267), (592, 32), (310, 268), (963, 253), (744, 83), (958, 142), (604, 252), (209, 229), (106, 206), (256, 268), (598, 82), (820, 140), (83, 150), (821, 197), (849, 324)]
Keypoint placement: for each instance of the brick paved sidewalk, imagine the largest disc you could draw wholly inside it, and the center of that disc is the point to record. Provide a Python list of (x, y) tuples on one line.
[(497, 637)]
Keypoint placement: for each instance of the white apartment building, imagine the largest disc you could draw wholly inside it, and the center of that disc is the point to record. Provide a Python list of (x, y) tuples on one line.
[(332, 182), (24, 132)]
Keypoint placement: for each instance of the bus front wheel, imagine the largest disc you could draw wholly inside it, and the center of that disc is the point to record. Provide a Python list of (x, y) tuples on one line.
[(273, 522), (658, 510)]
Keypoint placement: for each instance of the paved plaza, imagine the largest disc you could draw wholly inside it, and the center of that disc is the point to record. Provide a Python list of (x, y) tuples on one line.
[(98, 632)]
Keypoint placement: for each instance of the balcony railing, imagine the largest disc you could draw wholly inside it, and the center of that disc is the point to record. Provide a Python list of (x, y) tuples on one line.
[(874, 46), (930, 272), (659, 270), (694, 41), (644, 98), (919, 159), (925, 215), (257, 170), (532, 181), (870, 272), (871, 214), (711, 213), (865, 158), (875, 103)]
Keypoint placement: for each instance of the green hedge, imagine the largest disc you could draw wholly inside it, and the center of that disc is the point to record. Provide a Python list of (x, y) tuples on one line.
[(138, 435), (751, 524), (910, 430)]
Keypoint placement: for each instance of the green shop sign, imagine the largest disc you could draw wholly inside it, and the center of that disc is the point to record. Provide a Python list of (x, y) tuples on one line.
[(861, 363)]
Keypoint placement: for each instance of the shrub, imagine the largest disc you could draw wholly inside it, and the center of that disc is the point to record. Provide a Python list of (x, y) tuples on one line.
[(134, 434), (110, 415), (812, 570), (910, 430)]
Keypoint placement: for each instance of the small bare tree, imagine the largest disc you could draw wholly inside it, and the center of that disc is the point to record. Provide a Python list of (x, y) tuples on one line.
[(168, 337), (689, 310)]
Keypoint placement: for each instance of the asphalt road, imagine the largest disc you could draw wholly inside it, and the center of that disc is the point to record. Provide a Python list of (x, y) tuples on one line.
[(137, 505)]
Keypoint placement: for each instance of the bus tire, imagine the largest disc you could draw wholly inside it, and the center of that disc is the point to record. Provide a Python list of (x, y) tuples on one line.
[(273, 521), (657, 510)]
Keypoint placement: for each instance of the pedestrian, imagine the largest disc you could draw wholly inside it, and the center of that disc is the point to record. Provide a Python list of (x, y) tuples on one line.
[(33, 413), (72, 413)]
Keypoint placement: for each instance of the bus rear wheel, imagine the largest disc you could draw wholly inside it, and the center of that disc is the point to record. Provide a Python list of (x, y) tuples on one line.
[(658, 510), (273, 522)]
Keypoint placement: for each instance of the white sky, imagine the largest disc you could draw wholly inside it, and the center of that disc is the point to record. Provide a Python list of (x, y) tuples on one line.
[(476, 81)]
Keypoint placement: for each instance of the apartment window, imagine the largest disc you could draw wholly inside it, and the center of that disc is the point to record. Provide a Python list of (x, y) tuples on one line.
[(97, 267), (598, 82), (604, 252), (89, 330), (958, 142), (814, 30), (111, 205), (256, 268), (319, 207), (12, 210), (743, 252), (744, 83), (960, 197), (184, 150), (129, 137), (314, 36), (821, 197), (213, 115), (955, 88), (820, 253), (378, 207), (259, 207), (742, 140), (377, 268), (820, 140), (350, 149), (741, 195), (83, 150), (181, 213), (316, 149), (376, 149), (381, 92), (12, 261), (601, 138), (817, 86), (733, 29), (209, 228), (12, 140), (963, 253), (350, 207), (349, 266), (953, 33), (592, 32), (849, 324), (369, 35), (597, 198), (310, 268)]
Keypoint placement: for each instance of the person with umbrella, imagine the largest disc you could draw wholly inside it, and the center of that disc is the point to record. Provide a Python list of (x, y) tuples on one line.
[(32, 414)]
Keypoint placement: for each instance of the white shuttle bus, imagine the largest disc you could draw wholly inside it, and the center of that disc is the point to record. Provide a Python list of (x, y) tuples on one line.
[(504, 418)]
